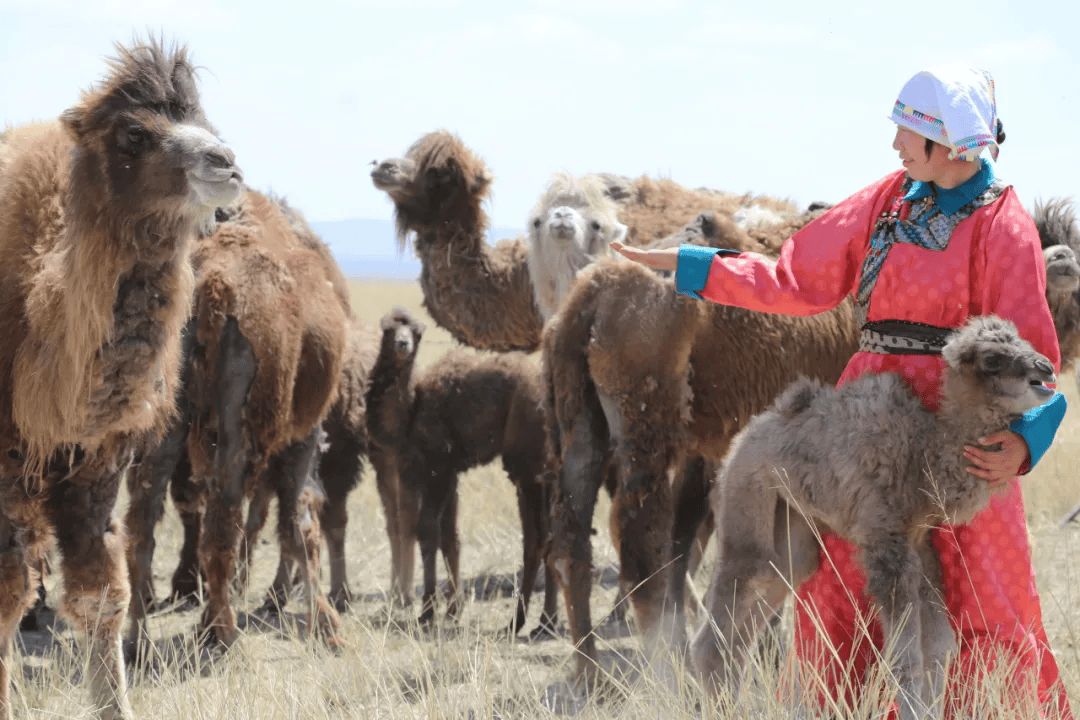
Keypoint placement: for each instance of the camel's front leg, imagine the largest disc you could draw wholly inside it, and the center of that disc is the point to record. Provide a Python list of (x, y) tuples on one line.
[(148, 482), (96, 590), (893, 579), (400, 506), (17, 585)]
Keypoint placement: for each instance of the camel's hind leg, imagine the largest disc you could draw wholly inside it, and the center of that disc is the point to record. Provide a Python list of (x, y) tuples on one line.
[(938, 636), (340, 472), (235, 372), (533, 511), (450, 545), (691, 510), (761, 559), (96, 591), (300, 501), (570, 553), (258, 510), (189, 499)]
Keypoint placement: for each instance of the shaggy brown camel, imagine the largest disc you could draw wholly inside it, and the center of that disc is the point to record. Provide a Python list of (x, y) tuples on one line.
[(461, 412), (271, 311), (1060, 238), (815, 462), (98, 216), (664, 380)]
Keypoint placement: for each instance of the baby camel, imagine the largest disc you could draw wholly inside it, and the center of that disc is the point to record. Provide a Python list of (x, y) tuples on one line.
[(871, 463), (460, 412)]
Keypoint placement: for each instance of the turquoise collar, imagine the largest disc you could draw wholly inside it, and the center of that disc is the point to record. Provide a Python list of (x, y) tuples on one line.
[(949, 201)]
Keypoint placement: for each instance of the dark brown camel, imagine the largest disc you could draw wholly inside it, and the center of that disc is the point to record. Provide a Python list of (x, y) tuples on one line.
[(98, 216), (461, 412)]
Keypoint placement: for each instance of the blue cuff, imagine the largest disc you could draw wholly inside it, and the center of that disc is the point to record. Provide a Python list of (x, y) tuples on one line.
[(693, 270), (1039, 425)]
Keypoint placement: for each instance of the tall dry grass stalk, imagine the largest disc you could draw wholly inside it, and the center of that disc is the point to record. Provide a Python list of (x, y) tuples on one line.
[(390, 668)]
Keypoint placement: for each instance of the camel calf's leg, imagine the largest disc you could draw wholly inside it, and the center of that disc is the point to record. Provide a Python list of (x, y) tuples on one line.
[(96, 590), (438, 489), (225, 481), (400, 506)]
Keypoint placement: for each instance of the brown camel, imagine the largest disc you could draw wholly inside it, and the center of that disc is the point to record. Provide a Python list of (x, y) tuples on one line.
[(1060, 238), (461, 412), (271, 312), (666, 381), (98, 216)]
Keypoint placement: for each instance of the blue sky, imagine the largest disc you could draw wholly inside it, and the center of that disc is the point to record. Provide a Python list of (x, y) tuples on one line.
[(785, 98)]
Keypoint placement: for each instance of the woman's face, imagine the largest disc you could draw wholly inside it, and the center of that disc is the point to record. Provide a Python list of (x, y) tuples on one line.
[(912, 149)]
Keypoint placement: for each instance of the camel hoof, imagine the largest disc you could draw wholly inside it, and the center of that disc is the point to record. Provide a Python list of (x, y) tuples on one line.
[(544, 631), (341, 599)]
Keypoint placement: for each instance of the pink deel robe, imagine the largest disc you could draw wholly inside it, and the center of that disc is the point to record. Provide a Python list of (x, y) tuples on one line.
[(993, 265)]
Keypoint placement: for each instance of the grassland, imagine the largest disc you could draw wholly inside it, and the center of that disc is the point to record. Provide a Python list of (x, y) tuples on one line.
[(390, 668)]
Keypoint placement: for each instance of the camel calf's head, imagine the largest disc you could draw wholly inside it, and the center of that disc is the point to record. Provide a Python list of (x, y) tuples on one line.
[(401, 334), (143, 142), (989, 363)]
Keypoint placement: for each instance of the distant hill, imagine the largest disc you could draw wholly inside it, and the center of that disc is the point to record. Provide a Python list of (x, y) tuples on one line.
[(367, 249)]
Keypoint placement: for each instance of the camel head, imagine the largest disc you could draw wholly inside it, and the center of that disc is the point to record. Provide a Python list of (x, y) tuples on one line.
[(990, 364), (438, 189), (1062, 270), (401, 334), (576, 215), (143, 147)]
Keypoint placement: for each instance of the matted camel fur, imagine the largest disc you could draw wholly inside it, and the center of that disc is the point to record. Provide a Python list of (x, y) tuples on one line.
[(98, 215)]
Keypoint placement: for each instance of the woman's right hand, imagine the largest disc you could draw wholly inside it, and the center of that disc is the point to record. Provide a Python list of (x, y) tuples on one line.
[(666, 259)]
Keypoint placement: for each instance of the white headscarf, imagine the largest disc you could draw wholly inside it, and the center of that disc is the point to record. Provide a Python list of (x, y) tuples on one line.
[(953, 106)]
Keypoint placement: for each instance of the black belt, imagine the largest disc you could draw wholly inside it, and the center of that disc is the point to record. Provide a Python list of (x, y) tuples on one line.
[(901, 337)]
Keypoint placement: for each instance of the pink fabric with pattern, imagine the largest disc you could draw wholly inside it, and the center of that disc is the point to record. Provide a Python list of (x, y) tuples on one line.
[(993, 265)]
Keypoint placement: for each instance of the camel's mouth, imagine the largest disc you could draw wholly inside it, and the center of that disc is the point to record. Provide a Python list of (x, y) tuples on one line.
[(1041, 388), (392, 174)]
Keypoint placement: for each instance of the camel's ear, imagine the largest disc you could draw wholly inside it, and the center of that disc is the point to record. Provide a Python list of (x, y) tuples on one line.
[(419, 328), (481, 182), (74, 120)]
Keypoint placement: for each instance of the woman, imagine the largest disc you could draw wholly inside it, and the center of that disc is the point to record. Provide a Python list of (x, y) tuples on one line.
[(921, 250)]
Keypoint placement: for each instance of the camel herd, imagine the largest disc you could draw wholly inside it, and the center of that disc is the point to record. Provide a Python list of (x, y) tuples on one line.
[(169, 326)]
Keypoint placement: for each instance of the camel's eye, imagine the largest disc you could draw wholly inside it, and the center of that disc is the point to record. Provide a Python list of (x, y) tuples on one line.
[(536, 223), (596, 225), (993, 362), (134, 139)]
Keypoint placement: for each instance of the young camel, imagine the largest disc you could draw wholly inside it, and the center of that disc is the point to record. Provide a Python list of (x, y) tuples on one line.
[(98, 216), (461, 412), (868, 462)]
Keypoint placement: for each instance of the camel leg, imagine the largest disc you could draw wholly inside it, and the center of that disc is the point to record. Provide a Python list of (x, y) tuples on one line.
[(96, 591), (756, 569), (17, 583), (690, 511), (299, 504), (148, 483), (570, 554), (235, 372), (893, 579), (450, 545), (938, 636), (438, 486), (257, 512), (400, 508), (533, 510), (189, 499), (340, 473)]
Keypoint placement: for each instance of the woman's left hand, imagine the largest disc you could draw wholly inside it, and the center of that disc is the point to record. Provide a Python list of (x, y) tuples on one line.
[(997, 466)]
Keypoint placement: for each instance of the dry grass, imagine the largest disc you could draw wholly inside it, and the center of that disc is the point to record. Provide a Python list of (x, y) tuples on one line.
[(390, 668)]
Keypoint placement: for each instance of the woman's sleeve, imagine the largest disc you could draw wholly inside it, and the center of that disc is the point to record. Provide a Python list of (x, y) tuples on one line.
[(818, 266), (1013, 287)]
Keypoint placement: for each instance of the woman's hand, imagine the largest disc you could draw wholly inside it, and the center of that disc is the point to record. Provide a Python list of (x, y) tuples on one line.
[(666, 259), (997, 466)]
